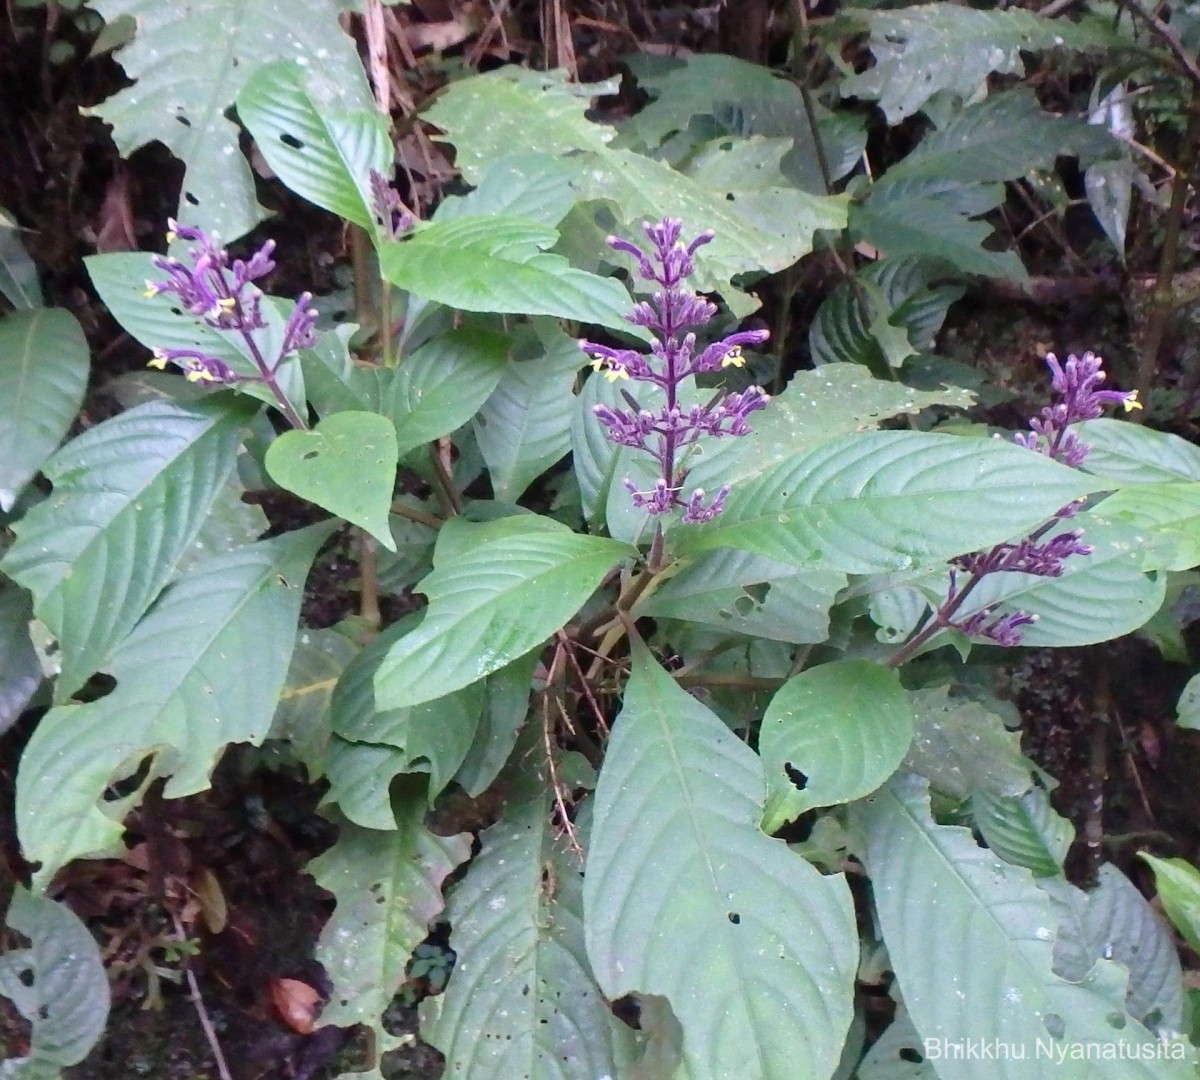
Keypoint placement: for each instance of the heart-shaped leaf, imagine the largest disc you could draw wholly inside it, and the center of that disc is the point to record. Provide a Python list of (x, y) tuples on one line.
[(346, 464)]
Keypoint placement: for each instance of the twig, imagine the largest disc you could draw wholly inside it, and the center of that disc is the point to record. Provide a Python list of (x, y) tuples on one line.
[(443, 478), (1167, 36), (556, 784), (1093, 825), (210, 1033), (568, 647)]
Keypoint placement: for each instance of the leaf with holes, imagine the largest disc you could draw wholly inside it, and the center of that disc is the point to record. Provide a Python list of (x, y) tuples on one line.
[(130, 496), (521, 1000), (318, 148), (346, 464), (57, 983), (388, 891), (43, 374), (890, 500), (933, 884), (928, 48), (494, 114), (513, 584), (188, 68), (500, 264), (686, 898), (832, 734), (204, 668)]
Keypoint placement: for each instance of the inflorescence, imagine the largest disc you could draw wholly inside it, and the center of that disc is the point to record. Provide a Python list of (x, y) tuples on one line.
[(671, 314), (1079, 397), (222, 295)]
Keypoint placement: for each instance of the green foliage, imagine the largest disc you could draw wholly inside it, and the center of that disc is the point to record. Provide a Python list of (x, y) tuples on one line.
[(57, 983), (188, 69), (1178, 884)]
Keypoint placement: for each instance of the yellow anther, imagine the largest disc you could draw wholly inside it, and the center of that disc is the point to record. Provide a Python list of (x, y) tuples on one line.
[(734, 357), (151, 290), (157, 360), (614, 373), (1131, 402)]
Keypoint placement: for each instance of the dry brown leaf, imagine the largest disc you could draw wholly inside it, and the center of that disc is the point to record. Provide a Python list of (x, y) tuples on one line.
[(297, 1003)]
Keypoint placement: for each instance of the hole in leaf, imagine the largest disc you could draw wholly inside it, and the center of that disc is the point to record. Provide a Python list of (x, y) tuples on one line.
[(734, 917), (799, 779), (744, 605), (183, 120), (26, 977), (758, 592), (312, 454), (43, 1012), (729, 196), (1055, 1025), (1117, 1020), (190, 199), (909, 1053), (291, 140)]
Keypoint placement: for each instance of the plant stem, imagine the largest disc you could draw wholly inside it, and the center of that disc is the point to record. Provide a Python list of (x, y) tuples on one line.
[(419, 516), (368, 570)]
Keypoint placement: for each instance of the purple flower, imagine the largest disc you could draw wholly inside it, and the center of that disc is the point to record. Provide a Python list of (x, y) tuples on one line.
[(670, 314)]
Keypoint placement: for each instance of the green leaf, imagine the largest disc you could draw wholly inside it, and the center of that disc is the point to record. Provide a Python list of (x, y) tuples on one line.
[(962, 747), (1004, 137), (20, 670), (58, 984), (346, 465), (932, 885), (360, 777), (302, 715), (1188, 709), (890, 500), (204, 668), (927, 48), (527, 185), (841, 728), (188, 68), (1023, 829), (1170, 512), (318, 148), (158, 323), (1178, 884), (518, 581), (901, 219), (816, 406), (1099, 597), (491, 115), (19, 283), (845, 325), (231, 523), (1124, 454), (521, 1000), (434, 736), (747, 594), (43, 374), (685, 898), (500, 264), (1114, 922), (130, 496), (388, 889), (525, 426), (505, 707)]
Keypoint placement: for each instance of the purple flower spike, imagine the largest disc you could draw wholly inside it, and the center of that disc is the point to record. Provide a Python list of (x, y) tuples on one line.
[(671, 314)]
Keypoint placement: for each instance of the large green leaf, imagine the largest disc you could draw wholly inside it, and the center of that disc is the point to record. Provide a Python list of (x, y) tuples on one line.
[(518, 580), (346, 464), (433, 736), (1024, 830), (1003, 137), (521, 1001), (934, 886), (832, 734), (1099, 597), (43, 373), (494, 114), (890, 500), (500, 264), (687, 899), (505, 707), (204, 668), (927, 48), (388, 889), (816, 406), (527, 185), (1123, 453), (130, 495), (747, 594), (317, 147), (20, 669), (188, 66), (525, 426), (57, 984), (1170, 512)]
